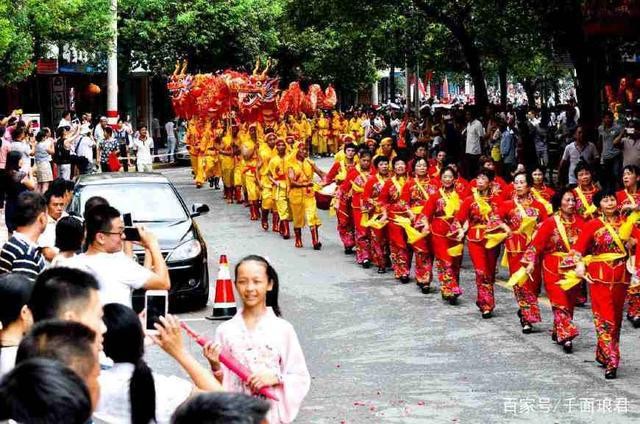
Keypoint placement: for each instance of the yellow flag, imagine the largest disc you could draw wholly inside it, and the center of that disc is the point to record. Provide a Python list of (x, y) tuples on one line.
[(570, 280), (627, 226), (519, 277), (455, 250)]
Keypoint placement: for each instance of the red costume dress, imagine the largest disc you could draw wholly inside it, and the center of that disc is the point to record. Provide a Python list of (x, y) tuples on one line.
[(393, 206), (344, 211), (415, 193), (586, 209), (372, 206), (609, 281), (627, 199), (480, 212), (551, 244), (512, 213), (440, 211), (353, 188)]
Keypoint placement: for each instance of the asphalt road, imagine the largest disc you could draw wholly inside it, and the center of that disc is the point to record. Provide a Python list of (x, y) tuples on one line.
[(379, 351)]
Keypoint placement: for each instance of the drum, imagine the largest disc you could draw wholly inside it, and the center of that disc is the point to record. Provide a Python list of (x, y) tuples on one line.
[(325, 196)]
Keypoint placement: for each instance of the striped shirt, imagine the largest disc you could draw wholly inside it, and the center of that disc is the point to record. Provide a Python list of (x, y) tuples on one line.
[(20, 255)]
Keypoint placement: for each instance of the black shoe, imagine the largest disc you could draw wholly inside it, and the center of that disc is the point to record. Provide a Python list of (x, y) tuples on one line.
[(527, 328), (381, 270), (366, 264), (404, 279), (611, 374), (635, 321), (567, 347), (425, 289), (348, 250), (554, 337), (581, 304), (487, 314), (210, 182), (453, 300)]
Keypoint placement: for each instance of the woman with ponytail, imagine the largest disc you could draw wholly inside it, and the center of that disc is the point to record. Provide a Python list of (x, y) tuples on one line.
[(130, 391), (263, 342)]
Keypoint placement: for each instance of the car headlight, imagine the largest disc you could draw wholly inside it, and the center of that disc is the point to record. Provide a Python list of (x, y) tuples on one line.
[(187, 250)]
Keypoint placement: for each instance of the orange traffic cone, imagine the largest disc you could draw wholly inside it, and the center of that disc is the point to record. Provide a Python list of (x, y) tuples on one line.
[(224, 302)]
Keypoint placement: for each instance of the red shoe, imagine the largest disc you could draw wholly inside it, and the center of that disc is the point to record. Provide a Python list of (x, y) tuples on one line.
[(315, 238), (298, 233), (265, 220), (275, 222), (285, 230)]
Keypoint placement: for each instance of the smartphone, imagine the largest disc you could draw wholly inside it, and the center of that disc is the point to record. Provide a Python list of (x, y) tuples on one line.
[(131, 233), (156, 303)]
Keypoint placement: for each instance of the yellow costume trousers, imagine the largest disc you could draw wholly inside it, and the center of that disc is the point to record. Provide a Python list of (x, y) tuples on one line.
[(226, 166), (267, 194), (197, 165), (251, 185), (212, 166), (282, 201), (238, 172), (303, 207)]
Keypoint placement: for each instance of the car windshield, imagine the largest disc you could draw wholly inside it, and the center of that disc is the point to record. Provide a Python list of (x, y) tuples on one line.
[(145, 202)]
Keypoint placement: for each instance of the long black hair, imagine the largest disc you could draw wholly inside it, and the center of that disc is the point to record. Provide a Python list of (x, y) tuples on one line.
[(272, 275), (124, 342)]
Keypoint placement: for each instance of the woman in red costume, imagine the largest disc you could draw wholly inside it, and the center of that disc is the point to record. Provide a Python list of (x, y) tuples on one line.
[(393, 206), (373, 207), (541, 192), (605, 270), (438, 218), (477, 215), (584, 192), (552, 243), (521, 215), (352, 188), (629, 200), (415, 193)]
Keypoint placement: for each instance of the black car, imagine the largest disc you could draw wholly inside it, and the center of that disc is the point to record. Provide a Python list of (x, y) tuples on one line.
[(154, 203)]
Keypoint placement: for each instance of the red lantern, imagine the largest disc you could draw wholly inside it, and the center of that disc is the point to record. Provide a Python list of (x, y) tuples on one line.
[(93, 89)]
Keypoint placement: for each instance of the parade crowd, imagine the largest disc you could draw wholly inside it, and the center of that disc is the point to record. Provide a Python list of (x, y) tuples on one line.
[(559, 201), (72, 349)]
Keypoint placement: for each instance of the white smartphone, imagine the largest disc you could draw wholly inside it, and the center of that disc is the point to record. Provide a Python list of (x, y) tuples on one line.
[(156, 303)]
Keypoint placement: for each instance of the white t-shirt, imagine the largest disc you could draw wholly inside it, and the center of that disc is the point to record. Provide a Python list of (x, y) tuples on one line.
[(117, 274), (115, 405), (85, 148), (143, 148), (7, 359), (475, 132), (169, 128)]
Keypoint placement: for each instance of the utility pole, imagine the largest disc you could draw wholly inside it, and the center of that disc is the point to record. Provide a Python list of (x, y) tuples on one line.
[(112, 68)]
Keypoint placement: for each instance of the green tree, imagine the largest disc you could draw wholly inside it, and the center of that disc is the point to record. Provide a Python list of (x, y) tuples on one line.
[(16, 46)]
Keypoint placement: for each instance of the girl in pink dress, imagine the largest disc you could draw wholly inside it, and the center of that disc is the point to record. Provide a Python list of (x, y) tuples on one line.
[(263, 342)]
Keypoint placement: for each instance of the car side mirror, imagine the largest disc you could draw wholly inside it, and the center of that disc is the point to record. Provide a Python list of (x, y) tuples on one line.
[(199, 209)]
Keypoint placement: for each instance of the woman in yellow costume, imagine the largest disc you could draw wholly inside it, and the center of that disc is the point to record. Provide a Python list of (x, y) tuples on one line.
[(265, 153), (302, 198), (322, 133), (249, 153), (386, 149), (227, 163)]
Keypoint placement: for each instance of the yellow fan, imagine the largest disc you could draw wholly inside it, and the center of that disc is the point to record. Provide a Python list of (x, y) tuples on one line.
[(413, 235), (519, 277), (455, 250), (494, 239), (527, 226), (627, 226), (505, 260), (570, 280), (416, 209), (375, 222), (603, 257)]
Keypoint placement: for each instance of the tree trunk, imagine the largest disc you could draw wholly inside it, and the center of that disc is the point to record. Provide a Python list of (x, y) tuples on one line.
[(469, 49), (586, 62), (392, 83), (530, 90), (502, 75)]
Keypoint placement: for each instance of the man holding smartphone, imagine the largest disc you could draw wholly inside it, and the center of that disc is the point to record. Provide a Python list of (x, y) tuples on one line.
[(117, 273)]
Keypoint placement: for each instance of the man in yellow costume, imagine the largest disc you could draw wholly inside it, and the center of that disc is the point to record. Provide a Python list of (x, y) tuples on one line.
[(212, 156), (196, 148), (322, 133), (302, 198), (278, 177), (265, 154)]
